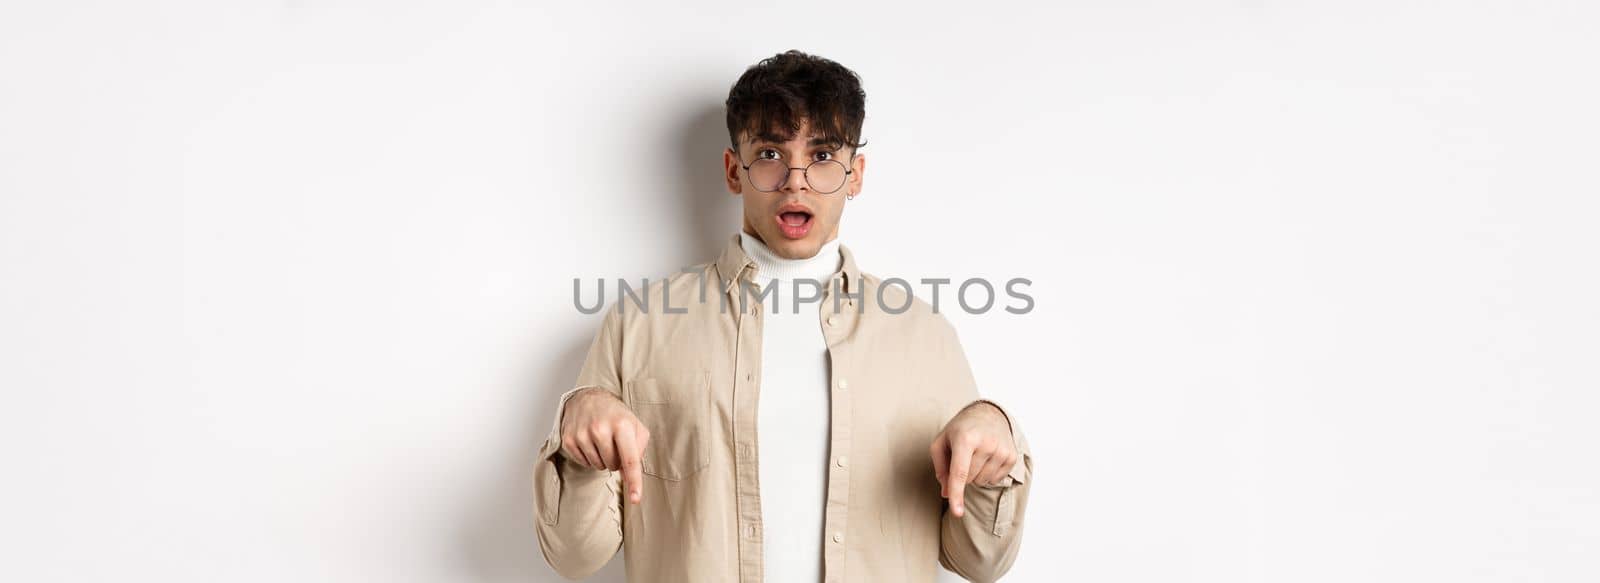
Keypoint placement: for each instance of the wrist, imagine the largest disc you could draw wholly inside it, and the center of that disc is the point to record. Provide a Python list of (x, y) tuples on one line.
[(580, 398), (591, 391), (990, 410)]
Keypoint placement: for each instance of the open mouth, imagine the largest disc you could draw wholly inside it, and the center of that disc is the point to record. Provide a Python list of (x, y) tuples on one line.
[(794, 223)]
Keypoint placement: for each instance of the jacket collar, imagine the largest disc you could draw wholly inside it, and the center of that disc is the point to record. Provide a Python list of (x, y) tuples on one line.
[(733, 262)]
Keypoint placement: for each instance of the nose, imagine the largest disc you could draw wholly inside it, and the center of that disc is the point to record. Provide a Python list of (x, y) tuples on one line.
[(792, 184)]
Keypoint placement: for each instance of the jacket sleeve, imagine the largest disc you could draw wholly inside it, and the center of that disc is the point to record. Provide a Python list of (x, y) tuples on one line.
[(579, 509), (982, 545)]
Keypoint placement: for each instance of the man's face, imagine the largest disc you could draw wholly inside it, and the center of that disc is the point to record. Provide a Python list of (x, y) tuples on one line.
[(795, 220)]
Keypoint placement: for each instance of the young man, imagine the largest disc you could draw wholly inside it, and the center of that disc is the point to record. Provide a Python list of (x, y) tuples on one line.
[(777, 414)]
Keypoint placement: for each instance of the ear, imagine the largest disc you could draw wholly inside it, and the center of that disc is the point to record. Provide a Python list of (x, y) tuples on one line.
[(730, 171), (858, 170)]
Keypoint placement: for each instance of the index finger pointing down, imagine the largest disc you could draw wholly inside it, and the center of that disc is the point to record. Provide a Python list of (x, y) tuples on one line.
[(629, 448)]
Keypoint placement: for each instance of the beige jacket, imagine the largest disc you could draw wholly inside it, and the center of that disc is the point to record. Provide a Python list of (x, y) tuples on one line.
[(688, 364)]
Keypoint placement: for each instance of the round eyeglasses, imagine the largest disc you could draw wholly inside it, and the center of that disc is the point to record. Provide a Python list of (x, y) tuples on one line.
[(771, 174)]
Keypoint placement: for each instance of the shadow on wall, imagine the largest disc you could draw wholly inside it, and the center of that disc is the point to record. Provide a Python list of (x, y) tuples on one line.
[(710, 214), (498, 541)]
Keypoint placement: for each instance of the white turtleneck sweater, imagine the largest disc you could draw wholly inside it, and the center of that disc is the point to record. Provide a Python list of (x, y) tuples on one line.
[(792, 422)]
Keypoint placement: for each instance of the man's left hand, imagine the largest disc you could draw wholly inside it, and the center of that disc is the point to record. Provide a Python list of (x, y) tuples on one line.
[(976, 446)]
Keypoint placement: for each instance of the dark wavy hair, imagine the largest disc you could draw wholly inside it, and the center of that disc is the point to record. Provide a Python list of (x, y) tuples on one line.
[(772, 97)]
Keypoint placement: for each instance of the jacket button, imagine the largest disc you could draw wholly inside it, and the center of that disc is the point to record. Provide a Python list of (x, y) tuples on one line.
[(843, 384), (838, 537), (842, 461), (832, 321)]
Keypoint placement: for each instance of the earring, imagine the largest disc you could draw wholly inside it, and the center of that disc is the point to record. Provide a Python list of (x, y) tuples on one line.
[(851, 196)]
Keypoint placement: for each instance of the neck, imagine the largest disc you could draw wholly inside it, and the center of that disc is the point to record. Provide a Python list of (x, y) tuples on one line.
[(770, 266)]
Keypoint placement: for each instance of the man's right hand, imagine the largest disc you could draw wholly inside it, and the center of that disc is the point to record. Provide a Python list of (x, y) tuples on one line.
[(599, 431)]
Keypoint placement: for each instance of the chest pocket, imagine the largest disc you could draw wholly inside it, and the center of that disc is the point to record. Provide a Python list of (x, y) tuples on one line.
[(677, 411)]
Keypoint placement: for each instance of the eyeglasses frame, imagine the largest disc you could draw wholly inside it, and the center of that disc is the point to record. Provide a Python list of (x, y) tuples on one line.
[(805, 172)]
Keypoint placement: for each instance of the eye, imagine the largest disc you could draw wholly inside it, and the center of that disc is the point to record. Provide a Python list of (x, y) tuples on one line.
[(761, 154), (825, 155)]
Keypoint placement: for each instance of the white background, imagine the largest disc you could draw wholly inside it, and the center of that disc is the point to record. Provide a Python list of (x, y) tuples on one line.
[(285, 287)]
